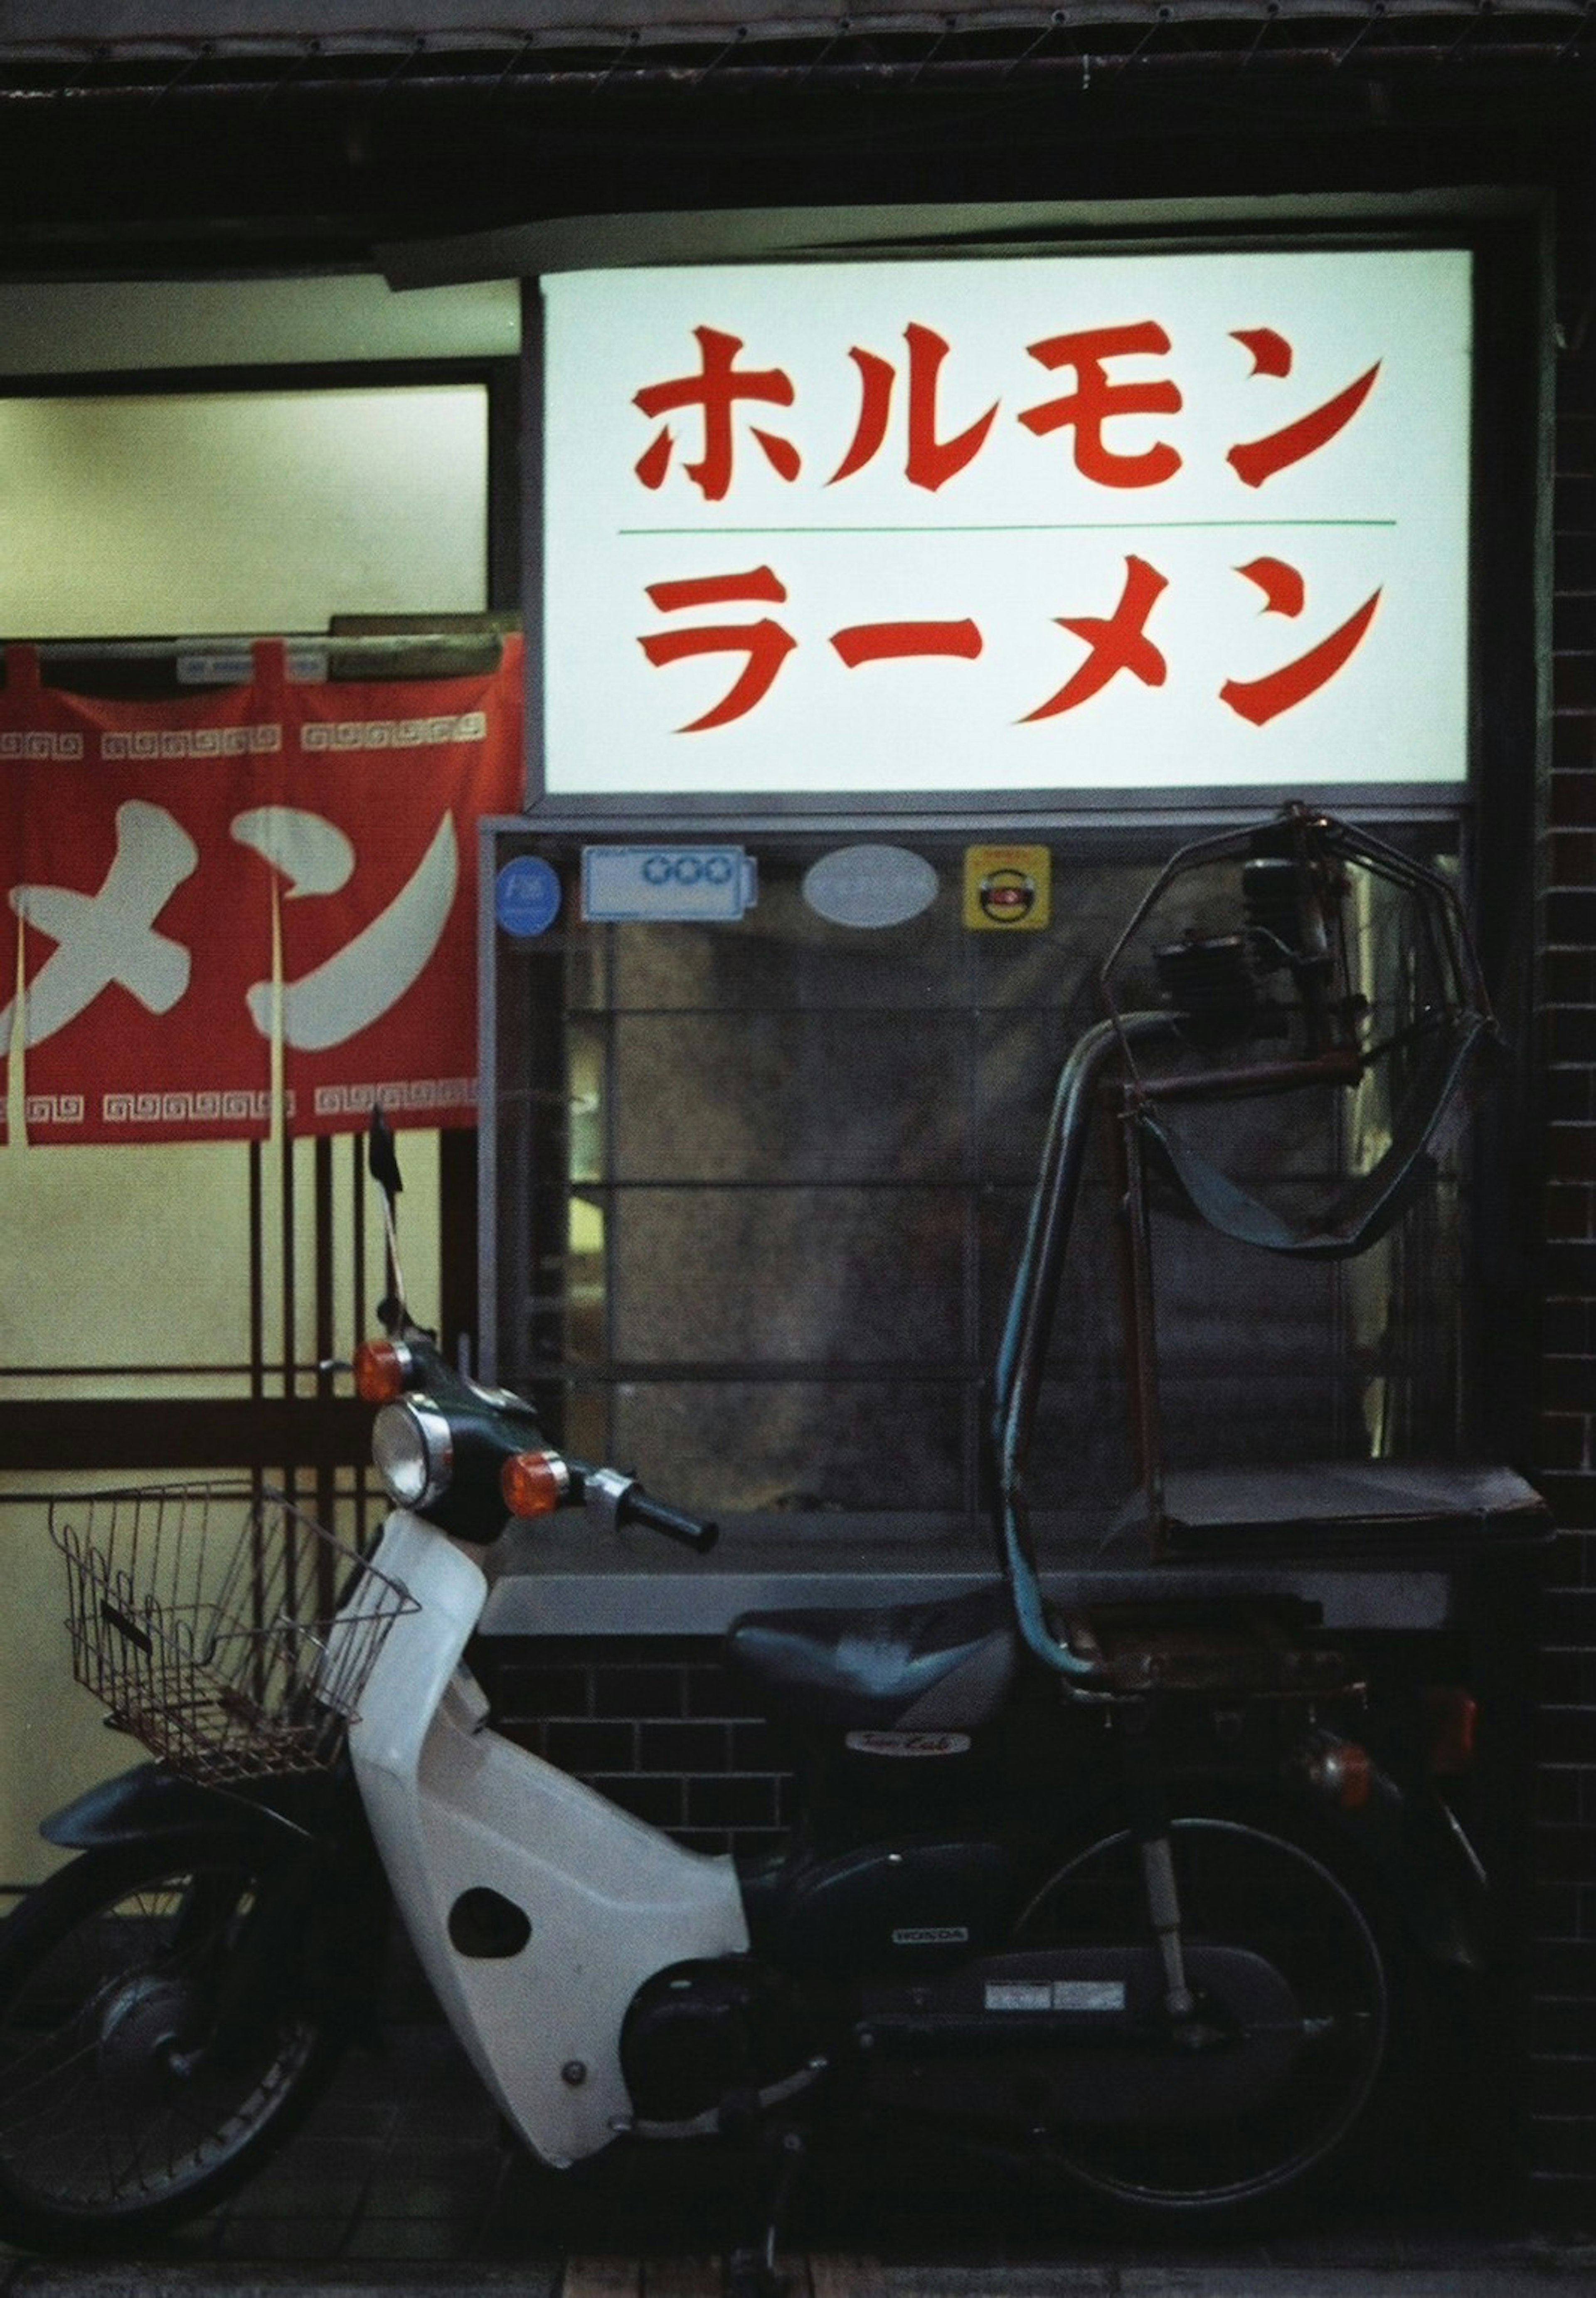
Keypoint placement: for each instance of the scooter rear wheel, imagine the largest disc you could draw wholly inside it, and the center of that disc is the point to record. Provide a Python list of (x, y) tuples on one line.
[(140, 2083), (1240, 1885)]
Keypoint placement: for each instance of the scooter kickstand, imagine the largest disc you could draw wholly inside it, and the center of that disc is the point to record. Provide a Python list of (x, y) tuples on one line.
[(751, 2269)]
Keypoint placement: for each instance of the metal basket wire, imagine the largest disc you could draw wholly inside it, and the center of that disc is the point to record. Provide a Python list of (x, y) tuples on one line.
[(220, 1626)]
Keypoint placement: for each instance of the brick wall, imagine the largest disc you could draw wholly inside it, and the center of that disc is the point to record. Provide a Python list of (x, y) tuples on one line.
[(1561, 2093), (653, 1722)]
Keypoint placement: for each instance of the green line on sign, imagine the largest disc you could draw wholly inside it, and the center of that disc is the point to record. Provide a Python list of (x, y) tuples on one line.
[(1034, 526)]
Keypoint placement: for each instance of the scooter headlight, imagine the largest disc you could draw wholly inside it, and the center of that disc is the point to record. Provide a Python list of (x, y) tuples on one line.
[(412, 1449)]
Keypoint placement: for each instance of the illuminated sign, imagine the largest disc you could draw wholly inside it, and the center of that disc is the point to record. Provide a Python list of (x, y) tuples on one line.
[(1055, 523)]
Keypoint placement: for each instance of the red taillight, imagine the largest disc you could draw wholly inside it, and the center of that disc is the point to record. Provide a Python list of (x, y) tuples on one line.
[(1452, 1715), (380, 1368), (534, 1484)]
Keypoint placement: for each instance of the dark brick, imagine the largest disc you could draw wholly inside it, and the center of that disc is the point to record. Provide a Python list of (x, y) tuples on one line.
[(758, 1747), (641, 1692), (522, 1691), (1570, 1033), (1571, 1268), (1573, 683), (1573, 751), (1566, 1735), (1575, 506), (740, 1802), (1563, 2204), (1569, 977), (1562, 1441), (1567, 1207), (1571, 917), (1569, 1098), (1565, 2024), (1568, 1384), (1571, 1555), (1566, 1327), (583, 1747), (1571, 618), (1567, 1679), (1572, 1500), (1573, 563), (1565, 1967), (1576, 442), (683, 1747), (1571, 1151), (1558, 1798), (710, 1691), (660, 1802), (1565, 1855), (1557, 1912), (1562, 2084), (1564, 2145), (1570, 858)]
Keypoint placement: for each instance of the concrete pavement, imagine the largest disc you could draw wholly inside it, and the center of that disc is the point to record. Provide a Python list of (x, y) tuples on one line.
[(401, 2185), (1531, 2270)]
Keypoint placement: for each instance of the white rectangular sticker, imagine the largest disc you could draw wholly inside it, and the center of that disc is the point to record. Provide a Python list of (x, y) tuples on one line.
[(1019, 1995), (1088, 1995), (1096, 521), (697, 885)]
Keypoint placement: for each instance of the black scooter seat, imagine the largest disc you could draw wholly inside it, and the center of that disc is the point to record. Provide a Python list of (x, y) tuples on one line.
[(919, 1667)]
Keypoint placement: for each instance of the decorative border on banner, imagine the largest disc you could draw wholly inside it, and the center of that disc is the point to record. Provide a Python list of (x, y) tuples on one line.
[(393, 733), (422, 1094), (193, 742), (53, 1109), (19, 743), (202, 1108)]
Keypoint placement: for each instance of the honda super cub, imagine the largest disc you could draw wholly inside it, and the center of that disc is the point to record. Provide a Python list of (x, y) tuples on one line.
[(1115, 1895)]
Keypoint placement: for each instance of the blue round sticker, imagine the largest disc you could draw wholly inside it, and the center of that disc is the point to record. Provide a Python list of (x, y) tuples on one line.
[(526, 895)]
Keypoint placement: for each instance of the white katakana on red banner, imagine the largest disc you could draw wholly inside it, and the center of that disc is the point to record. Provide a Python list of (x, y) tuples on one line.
[(144, 845)]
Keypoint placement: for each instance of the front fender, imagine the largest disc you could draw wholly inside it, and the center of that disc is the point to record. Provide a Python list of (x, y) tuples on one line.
[(324, 1922), (151, 1805)]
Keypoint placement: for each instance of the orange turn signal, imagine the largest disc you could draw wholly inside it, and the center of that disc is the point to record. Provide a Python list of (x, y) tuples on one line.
[(379, 1372), (1343, 1774), (534, 1484)]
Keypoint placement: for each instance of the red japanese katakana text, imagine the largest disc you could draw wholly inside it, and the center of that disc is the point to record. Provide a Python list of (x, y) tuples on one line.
[(931, 461), (716, 391), (1096, 402), (1118, 642), (1254, 460), (1284, 593)]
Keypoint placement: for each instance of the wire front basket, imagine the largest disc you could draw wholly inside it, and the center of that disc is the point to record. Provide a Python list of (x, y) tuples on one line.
[(220, 1626)]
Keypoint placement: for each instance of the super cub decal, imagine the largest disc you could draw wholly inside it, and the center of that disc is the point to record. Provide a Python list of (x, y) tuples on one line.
[(908, 1743)]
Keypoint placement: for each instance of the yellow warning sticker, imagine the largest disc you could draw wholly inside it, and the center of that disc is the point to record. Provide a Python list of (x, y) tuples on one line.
[(1008, 888)]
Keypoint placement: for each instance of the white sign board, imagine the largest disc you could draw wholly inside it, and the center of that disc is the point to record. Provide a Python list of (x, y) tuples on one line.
[(1102, 522)]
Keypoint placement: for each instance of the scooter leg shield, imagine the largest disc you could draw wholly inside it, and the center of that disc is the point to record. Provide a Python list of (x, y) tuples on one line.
[(536, 1907)]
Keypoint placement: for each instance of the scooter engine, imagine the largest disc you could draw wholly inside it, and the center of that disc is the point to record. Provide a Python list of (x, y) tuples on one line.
[(714, 2039)]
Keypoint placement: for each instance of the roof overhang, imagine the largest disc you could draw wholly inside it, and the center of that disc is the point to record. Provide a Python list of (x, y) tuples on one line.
[(113, 47), (763, 235)]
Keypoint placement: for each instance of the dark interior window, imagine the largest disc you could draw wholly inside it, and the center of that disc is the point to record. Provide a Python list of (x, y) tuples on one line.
[(762, 1186)]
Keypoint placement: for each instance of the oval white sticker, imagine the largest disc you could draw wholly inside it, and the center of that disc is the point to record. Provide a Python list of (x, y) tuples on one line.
[(871, 885)]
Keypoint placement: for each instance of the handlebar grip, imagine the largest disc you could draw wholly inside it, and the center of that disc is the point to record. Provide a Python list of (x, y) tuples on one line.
[(692, 1530)]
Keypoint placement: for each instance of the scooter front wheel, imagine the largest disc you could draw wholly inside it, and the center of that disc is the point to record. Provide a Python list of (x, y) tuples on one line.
[(149, 2058), (1240, 1886)]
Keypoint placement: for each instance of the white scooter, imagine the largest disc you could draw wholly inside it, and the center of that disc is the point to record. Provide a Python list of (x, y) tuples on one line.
[(1117, 1900)]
